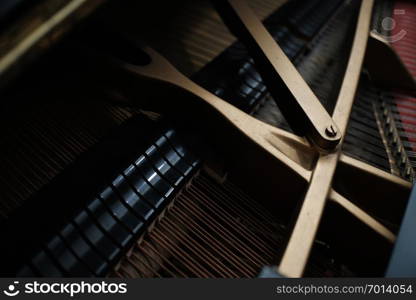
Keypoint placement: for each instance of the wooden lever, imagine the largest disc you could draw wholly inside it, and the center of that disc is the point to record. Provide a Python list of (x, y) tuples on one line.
[(301, 108), (268, 137)]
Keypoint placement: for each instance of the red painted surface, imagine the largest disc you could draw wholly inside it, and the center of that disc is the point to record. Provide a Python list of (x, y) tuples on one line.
[(404, 15)]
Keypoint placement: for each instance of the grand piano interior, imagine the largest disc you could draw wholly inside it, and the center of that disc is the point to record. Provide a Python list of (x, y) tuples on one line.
[(291, 151)]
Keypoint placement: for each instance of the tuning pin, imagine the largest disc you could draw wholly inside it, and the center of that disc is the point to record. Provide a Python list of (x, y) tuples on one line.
[(403, 160), (408, 172), (395, 140)]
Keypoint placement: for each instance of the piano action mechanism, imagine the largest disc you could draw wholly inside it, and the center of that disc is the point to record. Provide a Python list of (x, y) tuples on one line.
[(303, 171)]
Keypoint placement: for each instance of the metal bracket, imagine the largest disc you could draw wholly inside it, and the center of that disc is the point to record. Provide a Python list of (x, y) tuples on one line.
[(403, 260), (270, 272)]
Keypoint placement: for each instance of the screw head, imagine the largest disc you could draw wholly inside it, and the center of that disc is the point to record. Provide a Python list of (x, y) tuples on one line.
[(330, 131)]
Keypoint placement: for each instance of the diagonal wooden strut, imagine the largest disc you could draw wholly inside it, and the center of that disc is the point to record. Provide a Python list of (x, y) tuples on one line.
[(297, 252), (301, 108), (36, 32)]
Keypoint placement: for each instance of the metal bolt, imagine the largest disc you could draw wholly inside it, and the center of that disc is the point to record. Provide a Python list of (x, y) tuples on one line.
[(330, 131)]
